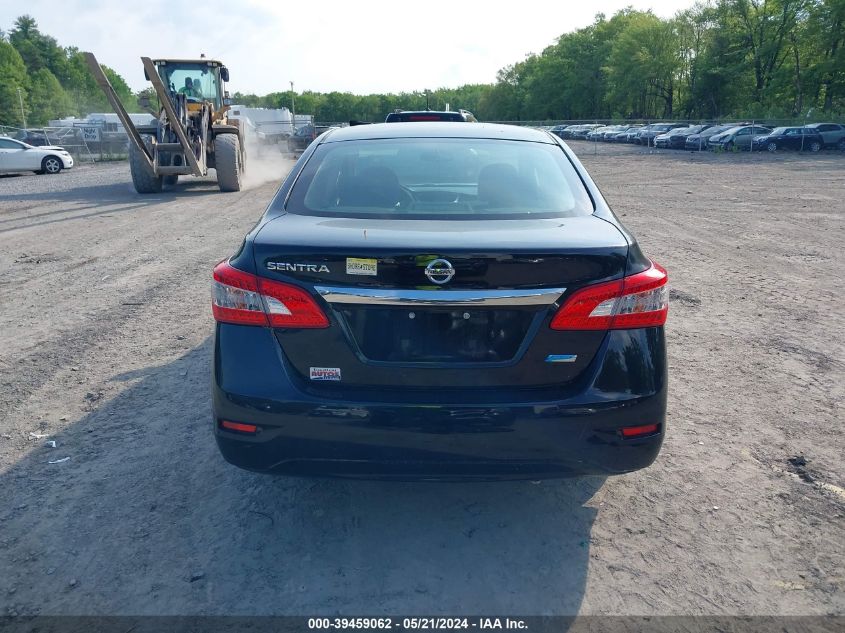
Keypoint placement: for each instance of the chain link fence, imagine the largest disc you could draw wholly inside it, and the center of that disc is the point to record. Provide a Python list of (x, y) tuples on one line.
[(88, 142)]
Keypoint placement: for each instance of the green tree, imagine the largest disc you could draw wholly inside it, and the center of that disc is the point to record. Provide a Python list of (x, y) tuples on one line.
[(764, 27), (825, 71), (13, 73), (37, 49), (643, 66), (47, 99)]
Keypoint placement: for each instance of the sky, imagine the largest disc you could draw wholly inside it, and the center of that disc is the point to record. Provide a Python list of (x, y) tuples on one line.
[(361, 47)]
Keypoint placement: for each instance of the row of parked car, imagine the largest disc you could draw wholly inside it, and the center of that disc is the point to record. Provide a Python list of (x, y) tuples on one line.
[(728, 137)]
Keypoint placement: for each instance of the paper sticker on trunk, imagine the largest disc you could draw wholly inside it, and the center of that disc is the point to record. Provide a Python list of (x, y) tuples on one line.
[(325, 373), (359, 266)]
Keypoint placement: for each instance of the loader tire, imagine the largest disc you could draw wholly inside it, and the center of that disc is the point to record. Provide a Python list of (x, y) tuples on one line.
[(227, 161), (143, 177)]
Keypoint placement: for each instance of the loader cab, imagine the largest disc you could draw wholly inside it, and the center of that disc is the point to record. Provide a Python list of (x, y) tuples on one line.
[(206, 79)]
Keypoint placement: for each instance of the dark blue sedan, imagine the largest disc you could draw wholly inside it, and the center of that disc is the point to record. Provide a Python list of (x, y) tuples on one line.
[(796, 138), (439, 301)]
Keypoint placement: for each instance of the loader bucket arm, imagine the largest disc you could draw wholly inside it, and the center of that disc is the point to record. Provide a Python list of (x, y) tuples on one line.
[(111, 95), (164, 99)]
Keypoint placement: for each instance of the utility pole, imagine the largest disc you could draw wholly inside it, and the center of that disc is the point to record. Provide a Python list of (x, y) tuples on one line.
[(292, 109), (23, 116), (426, 99)]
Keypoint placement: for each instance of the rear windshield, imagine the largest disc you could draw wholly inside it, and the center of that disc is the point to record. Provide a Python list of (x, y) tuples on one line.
[(422, 178)]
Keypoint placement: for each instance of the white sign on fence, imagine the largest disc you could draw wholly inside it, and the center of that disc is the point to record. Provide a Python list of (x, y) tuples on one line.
[(91, 134)]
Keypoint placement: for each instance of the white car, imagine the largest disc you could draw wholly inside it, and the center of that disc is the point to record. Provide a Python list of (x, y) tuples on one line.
[(16, 156)]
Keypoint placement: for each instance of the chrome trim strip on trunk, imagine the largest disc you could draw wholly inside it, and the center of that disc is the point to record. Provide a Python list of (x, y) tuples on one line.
[(403, 297)]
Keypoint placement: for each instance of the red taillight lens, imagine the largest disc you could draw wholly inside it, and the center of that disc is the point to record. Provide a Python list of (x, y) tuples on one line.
[(235, 297), (238, 426), (639, 431), (290, 306), (246, 299), (641, 300)]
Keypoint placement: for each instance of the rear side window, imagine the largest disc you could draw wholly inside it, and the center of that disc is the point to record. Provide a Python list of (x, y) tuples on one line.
[(425, 178)]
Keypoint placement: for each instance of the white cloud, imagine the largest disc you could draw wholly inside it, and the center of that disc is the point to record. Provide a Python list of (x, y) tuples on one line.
[(359, 47)]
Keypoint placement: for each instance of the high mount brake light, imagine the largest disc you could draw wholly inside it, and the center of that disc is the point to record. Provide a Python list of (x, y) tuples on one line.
[(641, 300), (246, 299)]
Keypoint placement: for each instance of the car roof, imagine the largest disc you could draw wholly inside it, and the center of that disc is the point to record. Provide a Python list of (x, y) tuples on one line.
[(438, 130)]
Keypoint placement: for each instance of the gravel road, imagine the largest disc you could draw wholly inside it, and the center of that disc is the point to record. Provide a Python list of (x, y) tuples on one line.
[(105, 346)]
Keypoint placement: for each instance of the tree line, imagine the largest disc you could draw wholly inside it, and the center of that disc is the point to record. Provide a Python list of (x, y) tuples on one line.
[(721, 59), (48, 81), (718, 59)]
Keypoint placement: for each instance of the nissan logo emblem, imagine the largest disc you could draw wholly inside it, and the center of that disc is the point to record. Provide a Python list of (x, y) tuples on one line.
[(439, 271)]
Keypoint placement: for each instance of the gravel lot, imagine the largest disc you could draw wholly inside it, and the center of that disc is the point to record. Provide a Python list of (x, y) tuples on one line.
[(105, 346)]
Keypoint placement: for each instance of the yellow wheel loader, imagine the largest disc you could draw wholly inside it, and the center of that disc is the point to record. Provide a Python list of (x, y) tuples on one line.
[(192, 133)]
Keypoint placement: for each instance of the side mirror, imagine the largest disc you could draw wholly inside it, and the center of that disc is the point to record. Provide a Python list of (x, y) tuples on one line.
[(227, 101), (224, 74)]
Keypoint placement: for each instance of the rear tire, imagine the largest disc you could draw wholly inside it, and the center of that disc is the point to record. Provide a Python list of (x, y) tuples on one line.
[(171, 180), (227, 162), (772, 147), (51, 165), (143, 177), (815, 146)]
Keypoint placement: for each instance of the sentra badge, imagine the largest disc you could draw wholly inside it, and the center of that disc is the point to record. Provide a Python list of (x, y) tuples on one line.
[(297, 267)]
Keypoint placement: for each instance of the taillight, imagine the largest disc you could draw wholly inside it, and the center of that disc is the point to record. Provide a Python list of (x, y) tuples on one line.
[(640, 300), (246, 299)]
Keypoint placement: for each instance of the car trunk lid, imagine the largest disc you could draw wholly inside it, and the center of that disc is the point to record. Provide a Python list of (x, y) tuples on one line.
[(394, 325)]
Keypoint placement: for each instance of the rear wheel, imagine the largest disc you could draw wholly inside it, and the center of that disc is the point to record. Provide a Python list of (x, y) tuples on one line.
[(227, 162), (815, 146), (143, 177), (51, 165), (772, 147)]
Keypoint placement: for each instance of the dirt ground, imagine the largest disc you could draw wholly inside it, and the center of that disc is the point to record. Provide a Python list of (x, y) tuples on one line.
[(105, 331)]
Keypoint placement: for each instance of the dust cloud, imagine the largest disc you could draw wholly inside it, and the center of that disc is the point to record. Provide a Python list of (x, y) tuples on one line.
[(265, 164)]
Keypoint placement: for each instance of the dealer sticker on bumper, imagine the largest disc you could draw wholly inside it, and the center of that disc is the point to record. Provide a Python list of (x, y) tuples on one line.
[(325, 373), (360, 266)]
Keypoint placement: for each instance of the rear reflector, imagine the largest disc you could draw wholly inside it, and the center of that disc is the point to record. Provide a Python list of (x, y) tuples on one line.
[(246, 299), (639, 431), (238, 426), (637, 301)]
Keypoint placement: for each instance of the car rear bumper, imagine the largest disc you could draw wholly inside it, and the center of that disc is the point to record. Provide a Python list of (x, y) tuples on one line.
[(436, 434)]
